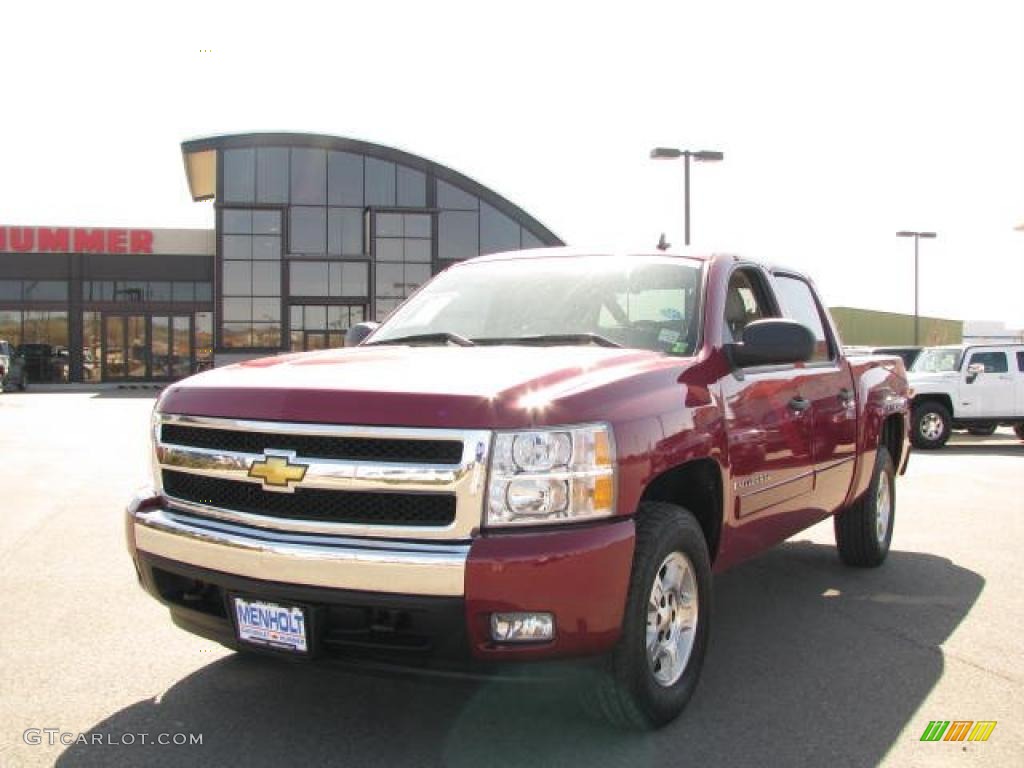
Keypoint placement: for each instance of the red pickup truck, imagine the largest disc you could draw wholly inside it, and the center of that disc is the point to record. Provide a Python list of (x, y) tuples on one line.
[(540, 456)]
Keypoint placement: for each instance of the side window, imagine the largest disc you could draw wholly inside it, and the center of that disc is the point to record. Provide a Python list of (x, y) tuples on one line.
[(798, 303), (1020, 361), (994, 362), (745, 302)]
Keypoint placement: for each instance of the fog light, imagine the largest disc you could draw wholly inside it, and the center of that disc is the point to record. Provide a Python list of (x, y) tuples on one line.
[(522, 627)]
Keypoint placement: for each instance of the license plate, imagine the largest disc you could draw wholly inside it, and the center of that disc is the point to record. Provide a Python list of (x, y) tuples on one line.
[(272, 625)]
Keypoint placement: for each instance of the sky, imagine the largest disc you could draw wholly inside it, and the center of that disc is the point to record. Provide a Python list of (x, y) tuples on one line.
[(841, 123)]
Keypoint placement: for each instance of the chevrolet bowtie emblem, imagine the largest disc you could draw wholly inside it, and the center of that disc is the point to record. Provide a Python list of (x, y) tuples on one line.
[(277, 472)]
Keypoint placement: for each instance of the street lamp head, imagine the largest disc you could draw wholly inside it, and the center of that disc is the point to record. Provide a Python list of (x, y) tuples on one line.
[(665, 153), (708, 156), (926, 234), (905, 233)]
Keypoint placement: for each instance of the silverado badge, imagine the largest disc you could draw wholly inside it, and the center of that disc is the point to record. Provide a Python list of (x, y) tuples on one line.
[(277, 472)]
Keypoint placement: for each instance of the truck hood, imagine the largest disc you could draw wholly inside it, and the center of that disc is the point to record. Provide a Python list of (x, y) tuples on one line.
[(418, 386)]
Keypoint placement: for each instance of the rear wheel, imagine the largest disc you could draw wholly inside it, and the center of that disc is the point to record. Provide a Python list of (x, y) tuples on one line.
[(864, 529), (982, 431), (1019, 429), (657, 662), (931, 426)]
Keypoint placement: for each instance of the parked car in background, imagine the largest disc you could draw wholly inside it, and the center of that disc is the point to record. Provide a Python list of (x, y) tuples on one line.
[(974, 387), (45, 363), (12, 367), (907, 354)]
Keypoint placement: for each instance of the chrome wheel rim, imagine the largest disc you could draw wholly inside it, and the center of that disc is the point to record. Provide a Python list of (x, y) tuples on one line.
[(883, 509), (672, 614), (931, 426)]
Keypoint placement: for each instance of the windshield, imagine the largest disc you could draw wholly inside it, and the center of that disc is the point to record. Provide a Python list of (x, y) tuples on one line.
[(636, 302), (940, 360)]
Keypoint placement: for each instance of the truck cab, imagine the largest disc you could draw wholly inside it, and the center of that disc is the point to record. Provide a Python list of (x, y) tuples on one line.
[(974, 387)]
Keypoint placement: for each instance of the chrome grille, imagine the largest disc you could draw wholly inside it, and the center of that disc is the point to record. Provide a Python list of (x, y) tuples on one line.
[(317, 446), (313, 503), (204, 466)]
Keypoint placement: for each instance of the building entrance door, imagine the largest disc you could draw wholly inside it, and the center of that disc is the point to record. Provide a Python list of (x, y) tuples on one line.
[(171, 346), (140, 347), (125, 347)]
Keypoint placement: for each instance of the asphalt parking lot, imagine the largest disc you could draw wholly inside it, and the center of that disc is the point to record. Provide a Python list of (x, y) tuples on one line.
[(810, 663)]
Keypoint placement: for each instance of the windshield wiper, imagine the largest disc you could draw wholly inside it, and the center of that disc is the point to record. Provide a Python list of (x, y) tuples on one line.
[(554, 338), (444, 336)]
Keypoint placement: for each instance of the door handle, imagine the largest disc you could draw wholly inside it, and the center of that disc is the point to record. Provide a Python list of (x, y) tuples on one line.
[(799, 404), (846, 396)]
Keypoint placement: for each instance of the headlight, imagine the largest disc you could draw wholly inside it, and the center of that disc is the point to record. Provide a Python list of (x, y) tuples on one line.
[(554, 475)]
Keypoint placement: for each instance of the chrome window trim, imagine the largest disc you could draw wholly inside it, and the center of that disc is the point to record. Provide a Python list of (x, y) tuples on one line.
[(466, 481)]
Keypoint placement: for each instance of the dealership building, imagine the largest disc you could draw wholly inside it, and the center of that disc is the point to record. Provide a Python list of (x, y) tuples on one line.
[(311, 235)]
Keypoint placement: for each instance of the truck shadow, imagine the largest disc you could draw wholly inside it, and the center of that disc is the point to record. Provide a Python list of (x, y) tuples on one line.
[(808, 659)]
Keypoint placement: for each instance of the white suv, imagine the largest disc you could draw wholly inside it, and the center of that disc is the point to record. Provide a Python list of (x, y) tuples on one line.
[(974, 387)]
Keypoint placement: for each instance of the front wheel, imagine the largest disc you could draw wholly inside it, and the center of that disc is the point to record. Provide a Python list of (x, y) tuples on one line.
[(657, 662), (932, 424), (864, 529)]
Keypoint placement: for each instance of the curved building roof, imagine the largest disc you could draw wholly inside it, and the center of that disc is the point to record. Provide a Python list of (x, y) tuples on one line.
[(200, 156)]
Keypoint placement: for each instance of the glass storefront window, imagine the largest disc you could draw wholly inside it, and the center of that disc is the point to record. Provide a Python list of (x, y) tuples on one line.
[(45, 290), (10, 290), (335, 278), (380, 182), (307, 230), (345, 231), (92, 340), (10, 326), (458, 235), (251, 279), (309, 177), (497, 231), (202, 340), (316, 326), (454, 199), (239, 175), (412, 188), (344, 179), (272, 175)]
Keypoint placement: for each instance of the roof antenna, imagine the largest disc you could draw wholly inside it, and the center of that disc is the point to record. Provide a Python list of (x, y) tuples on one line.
[(663, 244)]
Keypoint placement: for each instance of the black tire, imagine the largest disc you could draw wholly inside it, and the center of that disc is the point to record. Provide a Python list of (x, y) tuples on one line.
[(1019, 430), (858, 527), (928, 416), (982, 431), (631, 696)]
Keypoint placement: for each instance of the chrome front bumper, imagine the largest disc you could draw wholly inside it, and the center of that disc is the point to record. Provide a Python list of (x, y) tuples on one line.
[(434, 568)]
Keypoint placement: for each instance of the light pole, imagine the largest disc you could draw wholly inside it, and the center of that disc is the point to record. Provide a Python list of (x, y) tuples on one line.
[(917, 237), (701, 156)]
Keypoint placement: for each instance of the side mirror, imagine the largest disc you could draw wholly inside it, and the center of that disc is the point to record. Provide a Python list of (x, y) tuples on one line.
[(772, 342), (355, 335), (973, 370)]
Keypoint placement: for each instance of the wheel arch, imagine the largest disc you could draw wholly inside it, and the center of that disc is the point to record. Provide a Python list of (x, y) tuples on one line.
[(943, 399), (697, 486), (892, 436)]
